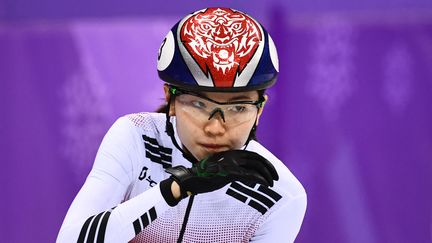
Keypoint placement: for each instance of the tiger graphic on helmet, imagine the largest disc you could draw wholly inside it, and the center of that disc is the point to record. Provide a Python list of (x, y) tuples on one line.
[(218, 49), (222, 41)]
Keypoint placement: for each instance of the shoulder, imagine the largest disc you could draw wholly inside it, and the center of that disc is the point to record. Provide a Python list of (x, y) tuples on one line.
[(132, 141), (145, 123), (130, 131), (121, 151), (288, 185)]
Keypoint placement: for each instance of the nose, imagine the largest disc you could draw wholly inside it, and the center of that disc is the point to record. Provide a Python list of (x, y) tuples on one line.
[(215, 111), (215, 126)]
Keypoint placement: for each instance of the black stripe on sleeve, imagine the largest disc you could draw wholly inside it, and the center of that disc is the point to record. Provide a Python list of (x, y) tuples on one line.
[(145, 220), (92, 232), (137, 226), (84, 230), (236, 195), (152, 213), (269, 203), (269, 192), (257, 206), (102, 228)]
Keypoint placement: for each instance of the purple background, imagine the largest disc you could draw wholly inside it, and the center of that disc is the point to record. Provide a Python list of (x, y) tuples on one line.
[(350, 115)]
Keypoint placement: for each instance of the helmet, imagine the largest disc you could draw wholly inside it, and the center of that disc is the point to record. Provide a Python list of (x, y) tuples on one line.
[(218, 49)]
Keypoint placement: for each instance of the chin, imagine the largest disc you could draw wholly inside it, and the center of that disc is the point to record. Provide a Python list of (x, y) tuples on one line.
[(202, 155), (208, 153)]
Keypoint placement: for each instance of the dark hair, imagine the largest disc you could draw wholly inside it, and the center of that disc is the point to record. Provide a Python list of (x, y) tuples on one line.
[(162, 108)]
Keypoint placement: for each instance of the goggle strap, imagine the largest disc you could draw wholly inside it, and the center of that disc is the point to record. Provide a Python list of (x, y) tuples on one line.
[(173, 90)]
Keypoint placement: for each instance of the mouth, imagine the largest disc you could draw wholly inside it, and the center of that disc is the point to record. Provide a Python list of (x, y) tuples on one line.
[(211, 147)]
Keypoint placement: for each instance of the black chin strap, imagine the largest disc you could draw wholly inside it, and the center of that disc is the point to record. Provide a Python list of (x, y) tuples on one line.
[(169, 129), (252, 134)]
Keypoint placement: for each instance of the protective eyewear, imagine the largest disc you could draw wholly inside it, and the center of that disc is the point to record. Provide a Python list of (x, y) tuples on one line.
[(203, 108)]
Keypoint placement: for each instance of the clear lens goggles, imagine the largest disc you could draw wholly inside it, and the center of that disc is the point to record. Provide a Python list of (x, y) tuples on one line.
[(203, 108)]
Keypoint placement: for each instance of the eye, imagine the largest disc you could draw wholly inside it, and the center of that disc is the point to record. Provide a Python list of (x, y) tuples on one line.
[(198, 104), (238, 108)]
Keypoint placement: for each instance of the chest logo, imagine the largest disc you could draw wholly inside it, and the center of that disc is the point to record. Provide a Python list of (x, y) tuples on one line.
[(157, 153), (143, 175), (258, 197)]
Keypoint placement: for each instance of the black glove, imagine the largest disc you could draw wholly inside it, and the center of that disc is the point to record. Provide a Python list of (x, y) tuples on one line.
[(222, 168)]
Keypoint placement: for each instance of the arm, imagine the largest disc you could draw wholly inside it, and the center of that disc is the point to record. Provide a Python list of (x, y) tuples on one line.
[(284, 223), (91, 215)]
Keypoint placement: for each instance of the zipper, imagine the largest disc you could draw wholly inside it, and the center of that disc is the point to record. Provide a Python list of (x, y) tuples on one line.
[(186, 218)]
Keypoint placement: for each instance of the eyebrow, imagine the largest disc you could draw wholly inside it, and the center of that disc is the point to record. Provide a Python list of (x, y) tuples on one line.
[(240, 97)]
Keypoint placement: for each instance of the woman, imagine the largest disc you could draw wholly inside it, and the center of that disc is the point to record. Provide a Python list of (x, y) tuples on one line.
[(195, 173)]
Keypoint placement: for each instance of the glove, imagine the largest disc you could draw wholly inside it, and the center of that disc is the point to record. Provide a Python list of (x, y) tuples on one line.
[(222, 168)]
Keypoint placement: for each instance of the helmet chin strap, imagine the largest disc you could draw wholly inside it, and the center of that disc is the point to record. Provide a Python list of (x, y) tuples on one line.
[(251, 134), (169, 129)]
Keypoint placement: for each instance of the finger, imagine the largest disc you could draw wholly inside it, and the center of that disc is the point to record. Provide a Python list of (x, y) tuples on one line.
[(253, 176), (252, 168), (249, 170), (259, 168), (257, 162), (265, 162), (230, 159)]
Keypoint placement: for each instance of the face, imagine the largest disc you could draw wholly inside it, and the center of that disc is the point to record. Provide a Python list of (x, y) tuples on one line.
[(202, 136)]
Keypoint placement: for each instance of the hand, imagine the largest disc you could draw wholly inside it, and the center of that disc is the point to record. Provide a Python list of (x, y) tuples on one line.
[(222, 168)]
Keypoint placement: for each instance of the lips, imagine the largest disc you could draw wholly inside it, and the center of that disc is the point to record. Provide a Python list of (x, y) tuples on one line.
[(213, 147)]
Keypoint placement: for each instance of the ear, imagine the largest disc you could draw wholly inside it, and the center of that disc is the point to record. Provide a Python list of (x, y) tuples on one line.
[(167, 98), (260, 111)]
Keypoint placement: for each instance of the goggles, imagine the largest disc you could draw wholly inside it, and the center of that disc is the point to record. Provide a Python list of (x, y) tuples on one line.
[(203, 108)]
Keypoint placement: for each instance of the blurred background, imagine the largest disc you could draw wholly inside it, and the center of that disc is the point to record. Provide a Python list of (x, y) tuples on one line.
[(351, 114)]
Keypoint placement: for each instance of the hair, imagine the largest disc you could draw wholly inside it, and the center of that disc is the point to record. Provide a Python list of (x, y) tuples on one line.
[(162, 108)]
